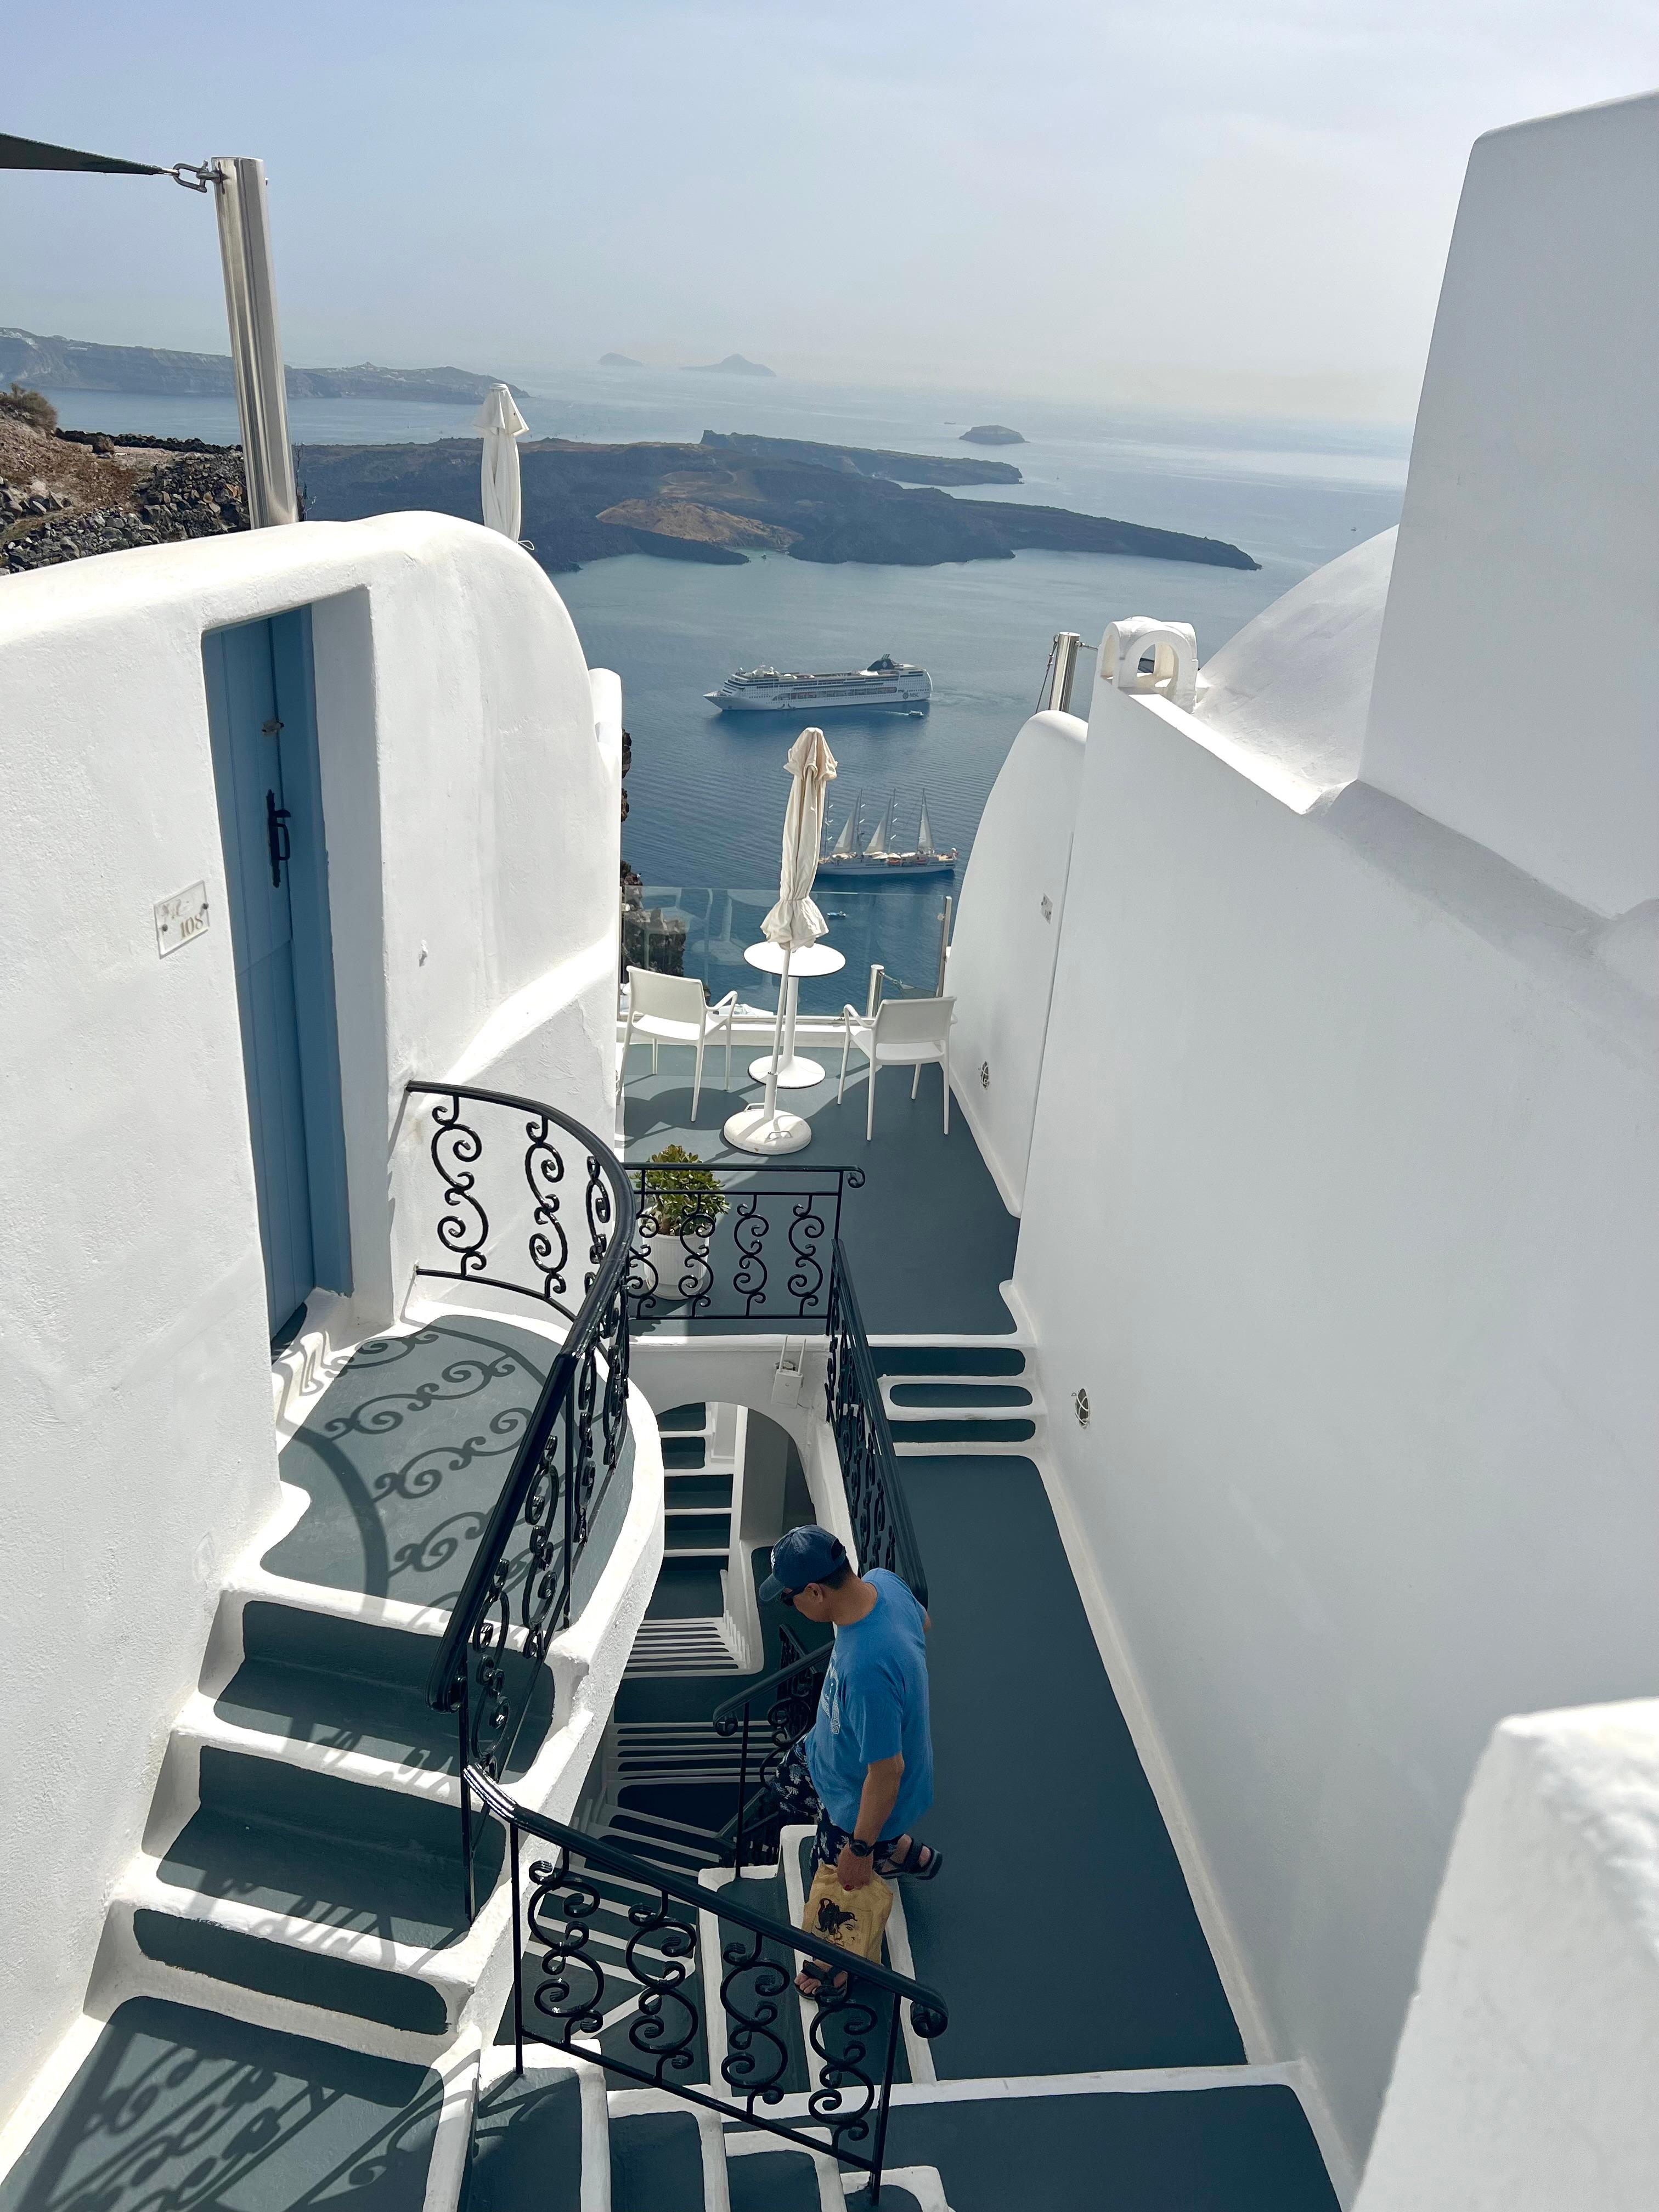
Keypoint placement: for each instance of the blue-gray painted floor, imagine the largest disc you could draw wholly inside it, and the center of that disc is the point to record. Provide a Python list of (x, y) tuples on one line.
[(406, 1452), (927, 1236), (174, 2108)]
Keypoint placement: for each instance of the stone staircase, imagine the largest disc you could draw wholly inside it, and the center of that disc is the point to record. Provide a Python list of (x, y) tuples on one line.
[(959, 1398)]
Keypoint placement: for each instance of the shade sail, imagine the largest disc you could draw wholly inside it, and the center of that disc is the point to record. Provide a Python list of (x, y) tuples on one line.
[(36, 154)]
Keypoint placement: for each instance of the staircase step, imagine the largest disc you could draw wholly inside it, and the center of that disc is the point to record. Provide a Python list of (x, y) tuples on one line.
[(699, 1532), (527, 2145), (304, 1976), (348, 1686), (966, 1396), (656, 2163), (315, 1847), (682, 1453), (683, 1417), (689, 1491), (686, 1590), (987, 1432), (780, 2180), (948, 1359), (177, 2106)]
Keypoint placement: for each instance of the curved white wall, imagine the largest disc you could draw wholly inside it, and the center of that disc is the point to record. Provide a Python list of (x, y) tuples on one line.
[(471, 812), (1004, 942), (1526, 2075), (1516, 662)]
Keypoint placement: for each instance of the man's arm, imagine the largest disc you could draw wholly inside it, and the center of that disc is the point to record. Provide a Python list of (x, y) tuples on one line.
[(876, 1802)]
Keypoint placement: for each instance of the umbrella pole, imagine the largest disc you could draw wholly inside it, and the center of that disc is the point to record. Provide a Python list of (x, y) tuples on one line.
[(763, 1128)]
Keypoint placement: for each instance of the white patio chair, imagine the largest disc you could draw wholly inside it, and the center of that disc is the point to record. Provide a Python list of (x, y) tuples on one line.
[(901, 1033), (675, 1010)]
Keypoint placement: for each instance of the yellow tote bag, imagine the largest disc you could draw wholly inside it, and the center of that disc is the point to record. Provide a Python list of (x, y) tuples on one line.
[(853, 1919)]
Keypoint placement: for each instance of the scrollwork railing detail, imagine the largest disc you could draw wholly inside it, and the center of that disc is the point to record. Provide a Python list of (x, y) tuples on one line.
[(695, 1997)]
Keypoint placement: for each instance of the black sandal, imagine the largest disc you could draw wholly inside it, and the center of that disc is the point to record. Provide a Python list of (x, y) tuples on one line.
[(906, 1868), (821, 1979)]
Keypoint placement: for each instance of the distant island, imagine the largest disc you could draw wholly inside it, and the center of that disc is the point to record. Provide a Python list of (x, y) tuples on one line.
[(725, 499), (733, 365), (78, 365), (619, 361), (992, 434), (860, 460)]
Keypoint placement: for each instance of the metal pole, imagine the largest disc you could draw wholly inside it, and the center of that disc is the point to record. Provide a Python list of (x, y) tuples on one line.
[(1065, 656), (256, 345), (944, 944), (872, 996)]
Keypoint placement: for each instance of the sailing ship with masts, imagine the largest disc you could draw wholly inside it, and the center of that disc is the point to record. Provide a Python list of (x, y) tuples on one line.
[(875, 859)]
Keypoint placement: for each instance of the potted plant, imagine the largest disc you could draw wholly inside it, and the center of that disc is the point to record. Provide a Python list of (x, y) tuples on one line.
[(678, 1209)]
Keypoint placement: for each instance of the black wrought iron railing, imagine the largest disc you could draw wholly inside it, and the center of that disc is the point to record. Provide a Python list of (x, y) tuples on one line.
[(517, 1175), (725, 1244), (882, 1530), (695, 1999), (770, 1717)]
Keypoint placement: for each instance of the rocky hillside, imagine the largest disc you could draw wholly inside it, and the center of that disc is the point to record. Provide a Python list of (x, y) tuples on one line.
[(77, 365), (64, 495)]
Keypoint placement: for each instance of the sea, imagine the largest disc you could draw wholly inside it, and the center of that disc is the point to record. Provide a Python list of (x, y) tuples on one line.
[(707, 790)]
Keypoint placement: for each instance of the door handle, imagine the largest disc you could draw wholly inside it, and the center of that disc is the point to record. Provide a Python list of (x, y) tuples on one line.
[(277, 837)]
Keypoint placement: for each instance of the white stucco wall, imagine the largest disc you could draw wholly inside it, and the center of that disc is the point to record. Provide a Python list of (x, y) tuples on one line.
[(1516, 657), (1340, 1208), (1003, 946), (1526, 2079), (471, 796)]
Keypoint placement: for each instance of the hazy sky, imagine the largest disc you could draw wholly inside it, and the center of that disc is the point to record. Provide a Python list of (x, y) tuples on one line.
[(1194, 199)]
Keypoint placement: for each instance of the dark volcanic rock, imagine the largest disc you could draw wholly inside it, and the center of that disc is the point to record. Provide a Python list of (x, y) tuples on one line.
[(992, 434), (863, 461), (829, 513)]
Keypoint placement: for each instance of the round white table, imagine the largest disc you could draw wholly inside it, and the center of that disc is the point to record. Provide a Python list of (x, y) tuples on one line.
[(795, 1073)]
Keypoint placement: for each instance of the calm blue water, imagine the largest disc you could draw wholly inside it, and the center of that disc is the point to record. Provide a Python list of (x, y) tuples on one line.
[(708, 790)]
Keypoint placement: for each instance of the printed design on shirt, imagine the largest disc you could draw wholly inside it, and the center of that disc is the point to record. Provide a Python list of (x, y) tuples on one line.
[(830, 1701)]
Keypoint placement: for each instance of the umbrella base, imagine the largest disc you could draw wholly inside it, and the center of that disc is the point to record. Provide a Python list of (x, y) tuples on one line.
[(755, 1130)]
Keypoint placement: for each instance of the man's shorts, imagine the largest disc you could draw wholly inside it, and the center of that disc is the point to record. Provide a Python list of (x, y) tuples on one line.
[(799, 1804)]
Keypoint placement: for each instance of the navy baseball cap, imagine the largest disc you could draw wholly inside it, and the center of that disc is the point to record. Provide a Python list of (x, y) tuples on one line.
[(802, 1556)]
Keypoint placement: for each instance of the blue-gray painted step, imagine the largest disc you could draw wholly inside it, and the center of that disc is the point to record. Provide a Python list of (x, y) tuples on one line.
[(1099, 1962), (947, 1359), (780, 2180), (698, 1532), (987, 1432), (656, 2163), (964, 1394), (697, 1490), (351, 1687), (1194, 2150), (683, 1417), (682, 1453), (526, 2152), (320, 1848), (687, 1590), (176, 2107)]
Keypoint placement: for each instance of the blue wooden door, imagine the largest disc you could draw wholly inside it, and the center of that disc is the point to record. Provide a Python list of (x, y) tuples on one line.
[(264, 732)]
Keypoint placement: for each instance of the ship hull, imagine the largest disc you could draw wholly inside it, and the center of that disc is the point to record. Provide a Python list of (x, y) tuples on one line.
[(884, 871), (905, 698)]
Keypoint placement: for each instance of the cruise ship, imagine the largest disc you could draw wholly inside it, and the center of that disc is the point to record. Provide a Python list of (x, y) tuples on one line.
[(886, 685), (1253, 1375)]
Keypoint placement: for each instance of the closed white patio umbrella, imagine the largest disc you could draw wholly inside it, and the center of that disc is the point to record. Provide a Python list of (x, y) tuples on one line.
[(503, 426), (794, 924)]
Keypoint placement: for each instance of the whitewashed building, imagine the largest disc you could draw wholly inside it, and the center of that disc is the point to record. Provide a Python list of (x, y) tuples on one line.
[(1259, 1387)]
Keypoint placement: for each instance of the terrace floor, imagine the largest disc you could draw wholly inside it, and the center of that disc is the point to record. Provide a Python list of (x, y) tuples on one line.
[(928, 1238)]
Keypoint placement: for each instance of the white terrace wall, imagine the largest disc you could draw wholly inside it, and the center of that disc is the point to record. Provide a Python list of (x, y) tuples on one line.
[(1526, 2076), (472, 819), (1002, 953), (1339, 1209)]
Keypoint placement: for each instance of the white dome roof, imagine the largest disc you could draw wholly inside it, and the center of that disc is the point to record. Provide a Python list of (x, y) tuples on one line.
[(1295, 684)]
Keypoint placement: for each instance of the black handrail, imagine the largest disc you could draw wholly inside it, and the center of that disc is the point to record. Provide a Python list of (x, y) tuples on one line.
[(487, 1659), (883, 1536), (788, 1717), (555, 1927)]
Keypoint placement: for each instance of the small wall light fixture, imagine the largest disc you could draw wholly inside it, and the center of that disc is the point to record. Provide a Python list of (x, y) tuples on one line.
[(1048, 907), (1080, 1407), (985, 1075)]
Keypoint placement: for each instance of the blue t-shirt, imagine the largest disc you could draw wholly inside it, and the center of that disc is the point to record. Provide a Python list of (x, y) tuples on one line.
[(875, 1704)]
